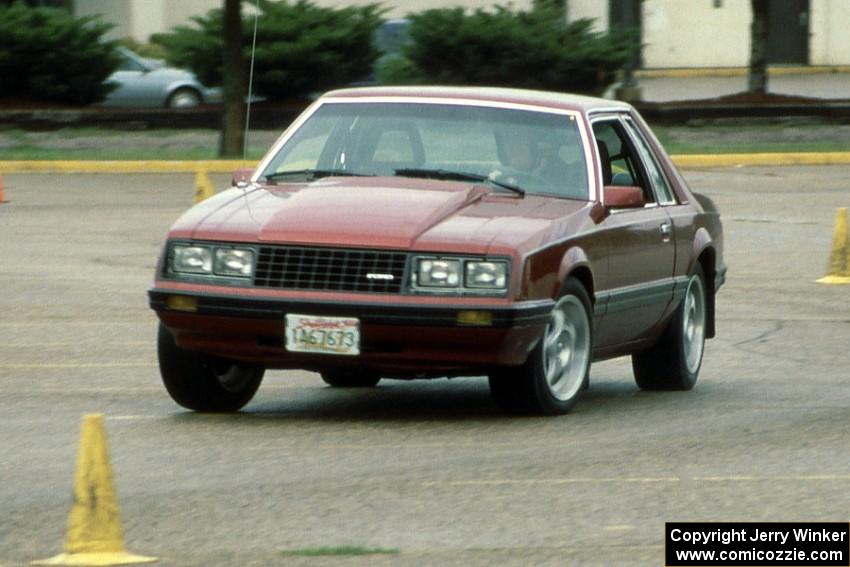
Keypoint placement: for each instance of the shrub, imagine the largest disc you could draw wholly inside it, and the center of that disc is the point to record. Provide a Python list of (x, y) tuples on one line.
[(301, 48), (48, 55), (504, 47)]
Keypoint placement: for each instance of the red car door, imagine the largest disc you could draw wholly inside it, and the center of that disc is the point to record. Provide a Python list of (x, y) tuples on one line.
[(638, 285)]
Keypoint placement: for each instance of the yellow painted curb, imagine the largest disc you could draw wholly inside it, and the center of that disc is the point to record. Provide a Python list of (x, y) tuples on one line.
[(123, 166), (229, 166), (94, 535), (785, 158), (686, 73)]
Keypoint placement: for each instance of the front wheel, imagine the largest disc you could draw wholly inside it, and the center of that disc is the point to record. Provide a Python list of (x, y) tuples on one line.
[(183, 98), (205, 383), (552, 379), (673, 363)]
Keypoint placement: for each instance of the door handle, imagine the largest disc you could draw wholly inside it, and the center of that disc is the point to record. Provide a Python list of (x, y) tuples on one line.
[(666, 232)]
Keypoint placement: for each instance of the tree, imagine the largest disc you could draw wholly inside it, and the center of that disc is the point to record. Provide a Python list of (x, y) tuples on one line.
[(301, 49), (233, 83), (557, 6), (502, 46), (757, 82), (48, 55)]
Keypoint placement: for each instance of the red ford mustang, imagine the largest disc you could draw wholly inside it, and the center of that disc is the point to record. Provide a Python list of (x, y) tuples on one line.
[(425, 232)]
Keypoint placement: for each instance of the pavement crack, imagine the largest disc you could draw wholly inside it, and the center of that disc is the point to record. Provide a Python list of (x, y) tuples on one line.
[(778, 325)]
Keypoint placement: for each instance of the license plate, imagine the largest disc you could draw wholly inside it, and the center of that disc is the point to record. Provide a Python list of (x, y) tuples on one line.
[(326, 335)]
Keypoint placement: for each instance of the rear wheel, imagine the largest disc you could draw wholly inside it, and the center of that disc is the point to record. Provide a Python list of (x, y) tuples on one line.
[(552, 379), (340, 378), (205, 383), (673, 363)]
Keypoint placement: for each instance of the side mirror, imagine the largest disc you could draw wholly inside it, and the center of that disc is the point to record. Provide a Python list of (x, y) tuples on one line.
[(628, 197), (241, 177)]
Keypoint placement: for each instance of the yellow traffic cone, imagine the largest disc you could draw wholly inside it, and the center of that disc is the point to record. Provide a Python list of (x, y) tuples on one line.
[(203, 186), (94, 534), (838, 271)]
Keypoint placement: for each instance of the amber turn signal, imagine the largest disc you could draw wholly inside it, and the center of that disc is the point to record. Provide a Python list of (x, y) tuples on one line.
[(181, 303), (477, 318)]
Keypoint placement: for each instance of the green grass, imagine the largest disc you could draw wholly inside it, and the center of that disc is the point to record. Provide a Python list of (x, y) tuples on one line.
[(48, 154), (674, 147), (111, 144), (345, 550), (753, 137)]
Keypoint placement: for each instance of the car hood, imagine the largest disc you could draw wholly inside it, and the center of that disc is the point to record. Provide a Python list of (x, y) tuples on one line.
[(380, 212)]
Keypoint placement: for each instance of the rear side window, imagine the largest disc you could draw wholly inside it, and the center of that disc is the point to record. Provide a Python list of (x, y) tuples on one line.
[(656, 176), (626, 158)]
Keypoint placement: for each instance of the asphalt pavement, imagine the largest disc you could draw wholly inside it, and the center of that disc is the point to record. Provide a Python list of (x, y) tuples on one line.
[(422, 473)]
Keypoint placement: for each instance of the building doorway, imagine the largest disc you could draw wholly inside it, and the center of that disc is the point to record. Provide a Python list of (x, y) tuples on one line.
[(627, 14), (788, 32)]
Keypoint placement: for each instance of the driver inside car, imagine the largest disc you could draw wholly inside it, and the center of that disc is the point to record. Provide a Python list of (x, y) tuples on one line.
[(531, 157)]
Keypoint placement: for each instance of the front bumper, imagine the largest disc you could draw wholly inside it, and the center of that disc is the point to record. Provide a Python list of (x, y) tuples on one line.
[(397, 338)]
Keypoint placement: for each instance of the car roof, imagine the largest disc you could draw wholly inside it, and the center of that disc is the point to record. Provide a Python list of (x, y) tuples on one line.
[(564, 101)]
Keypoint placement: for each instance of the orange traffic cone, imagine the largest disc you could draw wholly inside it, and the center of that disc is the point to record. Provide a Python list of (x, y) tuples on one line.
[(2, 191)]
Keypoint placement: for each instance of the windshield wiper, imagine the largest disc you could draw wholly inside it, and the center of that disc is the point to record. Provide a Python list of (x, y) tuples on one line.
[(448, 175), (312, 174)]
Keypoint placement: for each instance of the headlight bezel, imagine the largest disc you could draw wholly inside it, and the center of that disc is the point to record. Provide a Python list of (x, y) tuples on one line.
[(222, 256), (426, 285), (497, 269), (215, 262), (182, 255)]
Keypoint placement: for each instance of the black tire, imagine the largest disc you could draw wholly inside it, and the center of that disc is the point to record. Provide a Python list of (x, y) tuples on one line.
[(673, 363), (344, 378), (557, 370), (205, 383), (184, 97)]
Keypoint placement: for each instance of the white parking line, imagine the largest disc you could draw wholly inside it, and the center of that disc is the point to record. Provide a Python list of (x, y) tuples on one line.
[(636, 480), (66, 365), (550, 481), (131, 417)]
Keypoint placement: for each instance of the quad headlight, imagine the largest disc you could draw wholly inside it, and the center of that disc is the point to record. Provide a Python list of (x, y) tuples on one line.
[(191, 259), (459, 275), (439, 273), (234, 262), (486, 275), (209, 260)]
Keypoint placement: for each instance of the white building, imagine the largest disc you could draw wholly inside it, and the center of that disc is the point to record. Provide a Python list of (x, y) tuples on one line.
[(674, 33)]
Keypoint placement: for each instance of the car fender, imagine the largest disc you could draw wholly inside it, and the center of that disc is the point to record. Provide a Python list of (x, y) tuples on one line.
[(702, 242), (704, 248), (575, 263), (545, 272), (178, 84)]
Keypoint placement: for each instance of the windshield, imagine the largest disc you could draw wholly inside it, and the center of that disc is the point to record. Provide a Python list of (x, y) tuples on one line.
[(536, 152)]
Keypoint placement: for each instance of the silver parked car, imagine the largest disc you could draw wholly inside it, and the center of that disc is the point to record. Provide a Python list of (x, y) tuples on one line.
[(150, 83)]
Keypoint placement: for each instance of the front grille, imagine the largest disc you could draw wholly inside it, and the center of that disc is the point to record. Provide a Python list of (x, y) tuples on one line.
[(330, 269)]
